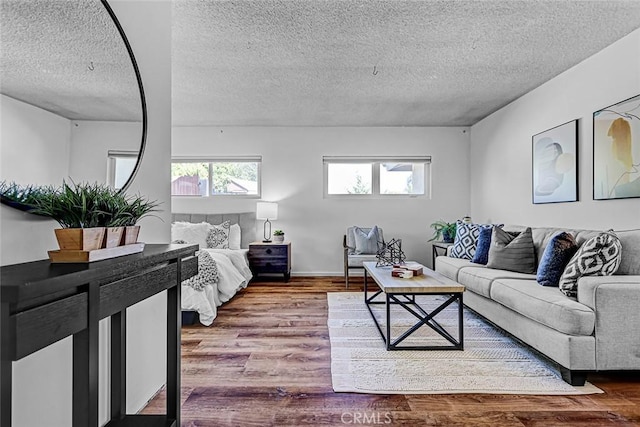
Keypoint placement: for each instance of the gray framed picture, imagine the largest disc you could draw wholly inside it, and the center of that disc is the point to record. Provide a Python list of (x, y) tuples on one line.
[(555, 164), (616, 151)]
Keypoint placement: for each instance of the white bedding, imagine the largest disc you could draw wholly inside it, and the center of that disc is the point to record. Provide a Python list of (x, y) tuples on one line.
[(233, 275)]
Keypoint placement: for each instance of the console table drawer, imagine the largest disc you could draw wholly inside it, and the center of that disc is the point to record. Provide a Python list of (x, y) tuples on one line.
[(39, 327)]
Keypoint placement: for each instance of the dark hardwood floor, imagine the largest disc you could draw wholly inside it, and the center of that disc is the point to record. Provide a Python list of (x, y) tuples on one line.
[(266, 362)]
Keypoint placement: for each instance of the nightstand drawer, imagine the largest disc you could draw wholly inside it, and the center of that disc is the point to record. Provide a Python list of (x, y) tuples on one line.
[(265, 265), (270, 251)]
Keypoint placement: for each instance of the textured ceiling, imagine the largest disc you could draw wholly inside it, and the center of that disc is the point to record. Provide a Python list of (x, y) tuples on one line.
[(67, 57), (376, 63), (308, 62)]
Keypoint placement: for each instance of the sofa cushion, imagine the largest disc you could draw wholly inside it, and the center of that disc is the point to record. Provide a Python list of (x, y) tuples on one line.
[(545, 305), (556, 256), (630, 262), (598, 256), (450, 267), (478, 279), (512, 252)]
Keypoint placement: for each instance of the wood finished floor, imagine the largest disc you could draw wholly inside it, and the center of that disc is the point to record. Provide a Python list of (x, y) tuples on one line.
[(266, 362)]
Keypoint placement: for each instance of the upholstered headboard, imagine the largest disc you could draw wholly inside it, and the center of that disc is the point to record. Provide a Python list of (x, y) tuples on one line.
[(246, 221)]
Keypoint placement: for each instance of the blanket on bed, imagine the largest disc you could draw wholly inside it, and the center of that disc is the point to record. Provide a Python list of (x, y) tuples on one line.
[(233, 274)]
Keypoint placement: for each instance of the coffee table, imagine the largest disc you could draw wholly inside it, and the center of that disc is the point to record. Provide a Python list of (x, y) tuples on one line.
[(399, 292)]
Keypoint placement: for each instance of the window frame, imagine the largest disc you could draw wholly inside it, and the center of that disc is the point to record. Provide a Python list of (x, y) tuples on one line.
[(222, 159), (375, 162), (112, 159)]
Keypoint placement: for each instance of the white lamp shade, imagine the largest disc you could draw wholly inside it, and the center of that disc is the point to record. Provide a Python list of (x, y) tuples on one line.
[(267, 210)]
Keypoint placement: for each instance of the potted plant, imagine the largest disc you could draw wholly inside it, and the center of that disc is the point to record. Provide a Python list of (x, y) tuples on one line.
[(444, 231), (136, 208), (278, 236)]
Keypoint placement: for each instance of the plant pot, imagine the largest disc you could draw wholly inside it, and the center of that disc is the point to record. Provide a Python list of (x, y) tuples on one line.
[(447, 237), (278, 239), (130, 235), (80, 239), (113, 237)]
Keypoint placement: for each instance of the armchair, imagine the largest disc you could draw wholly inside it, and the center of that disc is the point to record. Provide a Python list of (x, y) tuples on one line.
[(354, 254)]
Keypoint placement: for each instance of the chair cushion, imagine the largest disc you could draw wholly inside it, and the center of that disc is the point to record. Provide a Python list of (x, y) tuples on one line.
[(479, 279), (357, 260), (630, 262), (545, 305)]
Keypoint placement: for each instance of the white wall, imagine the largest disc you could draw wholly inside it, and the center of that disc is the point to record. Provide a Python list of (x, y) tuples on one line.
[(91, 142), (292, 176), (45, 377), (501, 144)]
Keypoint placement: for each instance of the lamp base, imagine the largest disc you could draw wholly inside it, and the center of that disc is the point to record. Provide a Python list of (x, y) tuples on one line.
[(266, 241)]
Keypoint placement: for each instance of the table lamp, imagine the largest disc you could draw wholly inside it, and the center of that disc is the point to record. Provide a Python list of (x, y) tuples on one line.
[(267, 211)]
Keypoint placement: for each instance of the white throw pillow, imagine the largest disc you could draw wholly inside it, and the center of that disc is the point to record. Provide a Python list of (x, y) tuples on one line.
[(235, 237), (191, 233)]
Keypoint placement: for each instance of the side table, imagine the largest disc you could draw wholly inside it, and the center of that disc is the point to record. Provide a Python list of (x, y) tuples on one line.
[(438, 246), (269, 257)]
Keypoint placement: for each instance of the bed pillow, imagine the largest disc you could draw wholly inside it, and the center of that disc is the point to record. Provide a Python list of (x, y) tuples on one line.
[(555, 258), (512, 251), (207, 272), (191, 233), (598, 256), (482, 248), (218, 237), (366, 241), (235, 236)]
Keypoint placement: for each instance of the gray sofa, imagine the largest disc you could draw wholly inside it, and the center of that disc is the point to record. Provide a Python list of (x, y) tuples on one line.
[(597, 331)]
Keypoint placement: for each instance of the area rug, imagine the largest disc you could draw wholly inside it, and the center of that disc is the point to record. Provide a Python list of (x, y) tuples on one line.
[(492, 362)]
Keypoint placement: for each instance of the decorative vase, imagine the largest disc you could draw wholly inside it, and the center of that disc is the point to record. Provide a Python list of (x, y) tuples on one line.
[(278, 239), (130, 235), (447, 237), (80, 239), (113, 237)]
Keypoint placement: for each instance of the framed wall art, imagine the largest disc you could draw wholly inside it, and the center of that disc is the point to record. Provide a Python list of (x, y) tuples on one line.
[(555, 164), (616, 150)]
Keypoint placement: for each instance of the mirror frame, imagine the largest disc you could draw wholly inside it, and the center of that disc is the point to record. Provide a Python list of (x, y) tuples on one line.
[(143, 103)]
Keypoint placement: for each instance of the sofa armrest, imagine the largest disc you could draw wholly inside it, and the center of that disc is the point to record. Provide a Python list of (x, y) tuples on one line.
[(588, 287), (614, 299)]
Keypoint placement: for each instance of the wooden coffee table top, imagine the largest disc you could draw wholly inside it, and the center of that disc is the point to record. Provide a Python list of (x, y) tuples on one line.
[(430, 282)]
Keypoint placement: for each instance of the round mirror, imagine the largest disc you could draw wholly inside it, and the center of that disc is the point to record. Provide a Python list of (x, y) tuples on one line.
[(72, 101)]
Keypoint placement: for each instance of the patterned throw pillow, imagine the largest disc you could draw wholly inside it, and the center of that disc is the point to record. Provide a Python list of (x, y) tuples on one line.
[(512, 251), (218, 237), (466, 241), (207, 272), (555, 258), (598, 256)]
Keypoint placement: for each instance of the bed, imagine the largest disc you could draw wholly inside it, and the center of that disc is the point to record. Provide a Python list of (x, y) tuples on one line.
[(223, 267)]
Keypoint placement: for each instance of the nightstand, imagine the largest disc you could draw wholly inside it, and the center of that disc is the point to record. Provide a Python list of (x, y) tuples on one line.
[(436, 246), (267, 258)]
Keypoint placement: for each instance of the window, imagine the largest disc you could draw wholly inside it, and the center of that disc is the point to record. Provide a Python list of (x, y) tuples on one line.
[(377, 176), (237, 176), (120, 168)]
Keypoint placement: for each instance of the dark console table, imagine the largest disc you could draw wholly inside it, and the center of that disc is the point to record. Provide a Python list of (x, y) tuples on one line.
[(42, 303)]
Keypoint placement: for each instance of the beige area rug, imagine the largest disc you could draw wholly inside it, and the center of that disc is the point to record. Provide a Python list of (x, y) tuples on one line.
[(491, 362)]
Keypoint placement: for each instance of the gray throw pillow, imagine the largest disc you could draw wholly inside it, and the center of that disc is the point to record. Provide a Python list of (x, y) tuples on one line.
[(218, 237), (598, 256), (366, 240), (512, 252)]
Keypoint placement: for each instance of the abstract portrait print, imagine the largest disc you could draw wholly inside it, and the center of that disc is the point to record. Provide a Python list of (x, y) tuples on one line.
[(616, 151), (555, 171)]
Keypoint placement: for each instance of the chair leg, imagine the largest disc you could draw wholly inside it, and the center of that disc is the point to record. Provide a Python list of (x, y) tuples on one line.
[(346, 276)]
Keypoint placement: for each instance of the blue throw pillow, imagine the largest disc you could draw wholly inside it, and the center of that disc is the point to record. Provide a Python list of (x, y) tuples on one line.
[(482, 248), (555, 258), (366, 240)]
